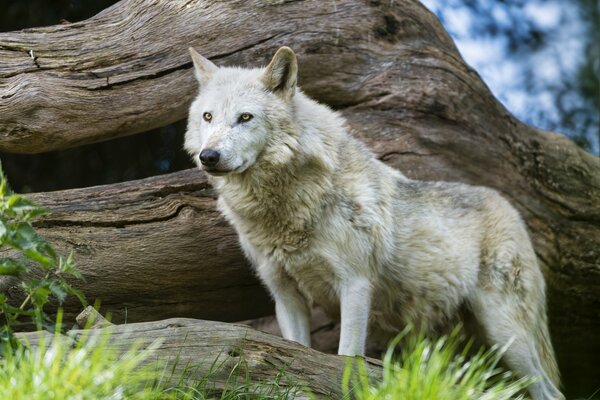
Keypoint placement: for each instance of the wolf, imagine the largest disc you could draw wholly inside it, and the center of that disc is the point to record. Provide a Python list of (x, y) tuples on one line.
[(324, 222)]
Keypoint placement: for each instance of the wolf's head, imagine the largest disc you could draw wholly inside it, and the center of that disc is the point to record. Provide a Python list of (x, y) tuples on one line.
[(239, 113)]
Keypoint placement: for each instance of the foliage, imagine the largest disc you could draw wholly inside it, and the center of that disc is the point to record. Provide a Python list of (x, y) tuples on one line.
[(95, 369), (90, 370), (435, 370), (238, 385), (539, 57), (16, 214)]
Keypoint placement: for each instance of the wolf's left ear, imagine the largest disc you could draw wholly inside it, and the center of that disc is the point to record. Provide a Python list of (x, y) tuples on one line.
[(203, 67), (281, 73)]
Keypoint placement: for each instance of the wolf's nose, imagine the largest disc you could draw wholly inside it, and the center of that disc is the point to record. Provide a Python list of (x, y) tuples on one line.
[(209, 157)]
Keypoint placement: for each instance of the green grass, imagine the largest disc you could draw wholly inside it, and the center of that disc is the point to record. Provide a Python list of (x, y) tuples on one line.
[(93, 369), (435, 370), (238, 384), (88, 371)]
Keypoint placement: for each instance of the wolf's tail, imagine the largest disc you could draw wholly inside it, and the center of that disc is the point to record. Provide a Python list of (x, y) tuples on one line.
[(545, 350)]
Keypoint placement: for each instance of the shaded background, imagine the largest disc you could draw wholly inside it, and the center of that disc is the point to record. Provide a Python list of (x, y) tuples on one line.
[(539, 57)]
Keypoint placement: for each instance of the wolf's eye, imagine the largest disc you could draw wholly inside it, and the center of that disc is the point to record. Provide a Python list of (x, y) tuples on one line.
[(207, 116), (245, 117)]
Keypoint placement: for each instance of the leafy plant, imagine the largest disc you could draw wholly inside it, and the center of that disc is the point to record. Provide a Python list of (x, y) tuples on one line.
[(95, 368), (429, 369), (89, 370), (90, 366), (16, 215)]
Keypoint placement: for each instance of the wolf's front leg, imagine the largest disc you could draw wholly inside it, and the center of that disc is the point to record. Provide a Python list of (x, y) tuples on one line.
[(291, 307), (355, 303), (293, 316)]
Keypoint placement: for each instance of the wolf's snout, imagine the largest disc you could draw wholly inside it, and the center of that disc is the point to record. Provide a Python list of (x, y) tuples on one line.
[(209, 157)]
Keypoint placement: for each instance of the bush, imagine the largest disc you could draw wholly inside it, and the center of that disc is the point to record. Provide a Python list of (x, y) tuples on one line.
[(94, 369), (16, 214), (89, 371)]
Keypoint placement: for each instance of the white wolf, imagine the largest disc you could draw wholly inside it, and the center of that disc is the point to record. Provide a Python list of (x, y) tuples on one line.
[(324, 222)]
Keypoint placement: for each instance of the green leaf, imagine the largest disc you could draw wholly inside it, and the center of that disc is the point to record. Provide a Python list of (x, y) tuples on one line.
[(35, 255), (23, 207), (17, 311), (24, 237), (79, 294), (39, 296), (33, 246), (10, 266), (4, 229), (57, 289), (74, 292), (4, 187), (68, 267), (48, 250)]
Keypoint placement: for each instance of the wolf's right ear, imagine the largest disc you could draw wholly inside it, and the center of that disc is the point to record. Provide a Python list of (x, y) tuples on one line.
[(203, 67), (281, 73)]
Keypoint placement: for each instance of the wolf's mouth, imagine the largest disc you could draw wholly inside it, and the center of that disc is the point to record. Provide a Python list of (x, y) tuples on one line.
[(220, 172), (216, 172)]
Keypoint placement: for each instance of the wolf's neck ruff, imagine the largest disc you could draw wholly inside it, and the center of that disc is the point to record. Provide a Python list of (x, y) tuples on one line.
[(278, 198)]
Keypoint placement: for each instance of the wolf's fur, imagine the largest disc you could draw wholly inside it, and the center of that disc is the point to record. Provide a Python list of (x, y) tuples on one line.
[(324, 222)]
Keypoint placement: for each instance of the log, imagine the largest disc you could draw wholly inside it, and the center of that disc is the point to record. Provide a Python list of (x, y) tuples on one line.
[(127, 69), (151, 249), (389, 67), (190, 347)]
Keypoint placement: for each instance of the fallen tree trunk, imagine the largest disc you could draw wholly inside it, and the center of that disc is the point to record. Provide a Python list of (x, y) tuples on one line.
[(127, 69), (225, 354), (388, 66)]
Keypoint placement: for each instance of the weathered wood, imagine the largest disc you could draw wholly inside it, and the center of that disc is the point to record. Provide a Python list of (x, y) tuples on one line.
[(194, 345), (90, 318), (157, 246), (127, 69)]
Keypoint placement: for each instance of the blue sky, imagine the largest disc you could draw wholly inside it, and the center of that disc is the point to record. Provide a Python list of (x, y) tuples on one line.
[(522, 83)]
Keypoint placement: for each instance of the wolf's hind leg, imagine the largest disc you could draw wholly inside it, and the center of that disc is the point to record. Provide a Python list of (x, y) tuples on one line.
[(504, 320), (355, 304)]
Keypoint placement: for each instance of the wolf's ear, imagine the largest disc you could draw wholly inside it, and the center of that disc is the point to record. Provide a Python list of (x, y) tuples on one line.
[(203, 68), (281, 73)]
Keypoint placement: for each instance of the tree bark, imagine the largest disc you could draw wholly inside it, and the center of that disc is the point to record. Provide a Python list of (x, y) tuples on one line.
[(389, 67), (210, 350), (127, 69)]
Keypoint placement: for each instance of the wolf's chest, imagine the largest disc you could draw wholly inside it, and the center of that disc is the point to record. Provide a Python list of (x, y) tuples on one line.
[(314, 275), (293, 251), (275, 226)]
